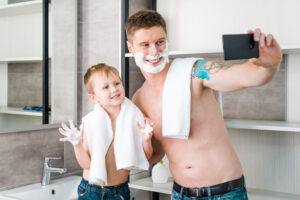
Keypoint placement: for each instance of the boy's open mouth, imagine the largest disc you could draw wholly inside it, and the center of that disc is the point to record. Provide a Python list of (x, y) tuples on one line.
[(116, 96)]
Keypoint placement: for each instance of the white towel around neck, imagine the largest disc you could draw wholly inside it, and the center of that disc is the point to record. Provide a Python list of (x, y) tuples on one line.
[(176, 106), (128, 149)]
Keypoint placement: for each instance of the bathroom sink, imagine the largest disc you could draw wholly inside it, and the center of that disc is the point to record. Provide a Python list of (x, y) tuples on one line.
[(63, 188)]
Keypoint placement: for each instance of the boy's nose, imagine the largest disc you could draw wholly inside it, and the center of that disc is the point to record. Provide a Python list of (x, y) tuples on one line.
[(113, 88)]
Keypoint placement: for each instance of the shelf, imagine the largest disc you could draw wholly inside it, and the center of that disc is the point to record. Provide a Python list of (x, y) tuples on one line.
[(21, 8), (263, 125), (218, 52), (189, 53), (21, 60), (19, 111), (291, 50), (166, 188), (148, 185)]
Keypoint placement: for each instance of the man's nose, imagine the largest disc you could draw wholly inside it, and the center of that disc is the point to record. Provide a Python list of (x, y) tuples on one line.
[(153, 50)]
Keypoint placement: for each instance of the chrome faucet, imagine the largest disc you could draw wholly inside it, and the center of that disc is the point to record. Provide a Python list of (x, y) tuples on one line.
[(48, 170)]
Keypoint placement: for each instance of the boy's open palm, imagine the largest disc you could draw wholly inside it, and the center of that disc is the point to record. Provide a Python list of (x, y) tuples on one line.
[(146, 130), (73, 135)]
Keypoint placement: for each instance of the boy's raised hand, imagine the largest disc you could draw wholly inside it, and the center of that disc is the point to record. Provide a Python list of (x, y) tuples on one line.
[(73, 135), (146, 130)]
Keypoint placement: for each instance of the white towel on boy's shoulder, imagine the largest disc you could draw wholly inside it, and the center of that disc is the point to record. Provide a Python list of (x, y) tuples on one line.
[(128, 149), (176, 106)]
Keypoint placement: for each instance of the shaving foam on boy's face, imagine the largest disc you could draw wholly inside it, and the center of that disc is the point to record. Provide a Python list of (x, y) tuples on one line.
[(152, 64)]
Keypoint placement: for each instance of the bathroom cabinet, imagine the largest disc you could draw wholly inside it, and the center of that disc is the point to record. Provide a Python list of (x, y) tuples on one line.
[(4, 64), (21, 45), (20, 81)]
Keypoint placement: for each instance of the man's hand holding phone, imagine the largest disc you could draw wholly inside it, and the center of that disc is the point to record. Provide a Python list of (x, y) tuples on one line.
[(262, 50), (269, 50)]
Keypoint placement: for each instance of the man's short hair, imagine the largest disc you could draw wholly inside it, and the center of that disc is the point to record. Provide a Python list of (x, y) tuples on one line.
[(143, 19), (100, 68)]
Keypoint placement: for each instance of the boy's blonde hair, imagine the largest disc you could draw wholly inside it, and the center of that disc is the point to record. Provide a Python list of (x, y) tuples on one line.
[(95, 69), (143, 19)]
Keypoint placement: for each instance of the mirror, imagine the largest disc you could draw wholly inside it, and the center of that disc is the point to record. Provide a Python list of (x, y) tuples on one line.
[(21, 79)]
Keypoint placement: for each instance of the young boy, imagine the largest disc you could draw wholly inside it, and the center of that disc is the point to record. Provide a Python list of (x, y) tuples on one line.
[(202, 160), (108, 145)]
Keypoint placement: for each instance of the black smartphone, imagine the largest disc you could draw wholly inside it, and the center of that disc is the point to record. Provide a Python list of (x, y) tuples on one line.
[(239, 46)]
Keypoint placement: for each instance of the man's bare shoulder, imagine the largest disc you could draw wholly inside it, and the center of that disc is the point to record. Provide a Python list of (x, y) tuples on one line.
[(197, 78), (136, 99)]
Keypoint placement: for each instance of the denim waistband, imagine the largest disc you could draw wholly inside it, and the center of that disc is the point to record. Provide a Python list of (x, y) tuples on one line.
[(210, 190), (84, 183)]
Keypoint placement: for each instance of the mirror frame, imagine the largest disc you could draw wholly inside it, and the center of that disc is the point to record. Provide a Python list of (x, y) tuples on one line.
[(45, 73)]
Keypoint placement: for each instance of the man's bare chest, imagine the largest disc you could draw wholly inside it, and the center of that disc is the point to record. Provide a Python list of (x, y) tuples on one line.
[(153, 109)]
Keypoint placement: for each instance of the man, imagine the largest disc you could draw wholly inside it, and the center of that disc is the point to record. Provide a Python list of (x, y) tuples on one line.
[(204, 164)]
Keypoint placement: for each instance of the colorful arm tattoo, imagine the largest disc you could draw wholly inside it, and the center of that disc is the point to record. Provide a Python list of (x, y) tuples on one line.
[(203, 70)]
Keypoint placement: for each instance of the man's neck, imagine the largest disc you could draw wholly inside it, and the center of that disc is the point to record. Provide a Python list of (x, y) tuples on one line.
[(156, 81)]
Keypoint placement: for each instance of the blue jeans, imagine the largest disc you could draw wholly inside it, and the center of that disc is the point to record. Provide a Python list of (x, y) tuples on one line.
[(88, 191), (235, 194)]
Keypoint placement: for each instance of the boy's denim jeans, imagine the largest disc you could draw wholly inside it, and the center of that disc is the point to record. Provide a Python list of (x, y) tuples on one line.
[(87, 191)]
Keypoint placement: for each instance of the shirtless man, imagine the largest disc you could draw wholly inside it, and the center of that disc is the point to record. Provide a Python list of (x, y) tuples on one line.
[(204, 165)]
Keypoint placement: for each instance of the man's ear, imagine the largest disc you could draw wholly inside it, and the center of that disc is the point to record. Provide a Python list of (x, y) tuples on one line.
[(130, 47)]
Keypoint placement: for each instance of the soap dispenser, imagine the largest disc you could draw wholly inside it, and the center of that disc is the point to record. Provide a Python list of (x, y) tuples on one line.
[(160, 173)]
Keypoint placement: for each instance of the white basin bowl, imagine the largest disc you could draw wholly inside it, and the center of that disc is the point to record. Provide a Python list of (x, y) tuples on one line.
[(63, 188)]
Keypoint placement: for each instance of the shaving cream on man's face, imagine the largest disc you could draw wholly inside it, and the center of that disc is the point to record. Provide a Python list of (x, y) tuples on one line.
[(140, 60)]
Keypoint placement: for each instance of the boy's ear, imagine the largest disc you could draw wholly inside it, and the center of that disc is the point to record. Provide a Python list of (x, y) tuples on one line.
[(130, 47), (92, 97)]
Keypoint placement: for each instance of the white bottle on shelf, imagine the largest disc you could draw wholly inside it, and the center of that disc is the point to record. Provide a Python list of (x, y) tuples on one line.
[(160, 173)]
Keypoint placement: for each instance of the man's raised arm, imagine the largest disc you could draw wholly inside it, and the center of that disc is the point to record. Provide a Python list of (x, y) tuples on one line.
[(255, 72)]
